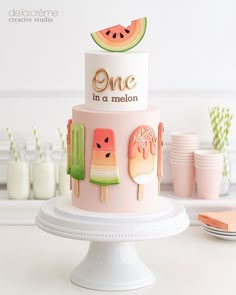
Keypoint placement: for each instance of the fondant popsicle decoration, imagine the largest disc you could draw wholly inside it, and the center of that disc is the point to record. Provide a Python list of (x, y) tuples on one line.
[(119, 38), (142, 156), (104, 167), (68, 146), (160, 155), (77, 156), (68, 150)]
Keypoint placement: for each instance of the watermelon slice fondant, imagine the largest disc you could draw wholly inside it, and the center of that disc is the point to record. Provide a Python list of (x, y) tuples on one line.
[(119, 38)]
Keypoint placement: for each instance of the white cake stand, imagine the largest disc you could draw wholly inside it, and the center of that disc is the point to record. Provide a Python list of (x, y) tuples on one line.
[(112, 263)]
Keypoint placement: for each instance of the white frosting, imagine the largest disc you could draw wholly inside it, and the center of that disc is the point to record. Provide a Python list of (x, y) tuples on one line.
[(125, 81)]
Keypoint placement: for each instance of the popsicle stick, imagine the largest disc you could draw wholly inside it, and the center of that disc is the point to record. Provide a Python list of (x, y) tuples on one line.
[(159, 184), (140, 192), (75, 188), (104, 193)]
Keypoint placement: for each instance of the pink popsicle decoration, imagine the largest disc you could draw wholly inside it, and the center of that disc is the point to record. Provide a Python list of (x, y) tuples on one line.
[(142, 156)]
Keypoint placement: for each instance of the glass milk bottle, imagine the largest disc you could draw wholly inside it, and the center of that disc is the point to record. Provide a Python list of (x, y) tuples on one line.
[(225, 181), (18, 174), (44, 174), (63, 177)]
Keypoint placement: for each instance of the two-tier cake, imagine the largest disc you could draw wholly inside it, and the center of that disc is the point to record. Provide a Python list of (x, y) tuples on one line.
[(112, 138)]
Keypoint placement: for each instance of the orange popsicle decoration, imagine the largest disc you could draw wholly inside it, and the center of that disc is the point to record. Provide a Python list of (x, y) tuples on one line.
[(160, 155), (142, 156), (104, 167)]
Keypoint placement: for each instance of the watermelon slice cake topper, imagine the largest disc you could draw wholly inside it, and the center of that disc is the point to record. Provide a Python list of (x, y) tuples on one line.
[(119, 38)]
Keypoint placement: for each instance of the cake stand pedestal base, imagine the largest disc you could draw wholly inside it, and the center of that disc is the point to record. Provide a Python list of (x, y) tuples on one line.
[(112, 266), (112, 262)]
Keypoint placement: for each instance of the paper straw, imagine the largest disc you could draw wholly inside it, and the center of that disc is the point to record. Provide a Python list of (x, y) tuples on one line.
[(62, 139), (221, 119), (228, 122), (227, 126), (38, 145), (12, 145), (214, 123)]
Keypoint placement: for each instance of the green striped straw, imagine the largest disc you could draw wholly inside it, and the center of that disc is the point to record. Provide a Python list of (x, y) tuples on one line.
[(228, 122), (221, 120), (227, 126), (63, 144), (214, 124), (38, 145), (12, 145)]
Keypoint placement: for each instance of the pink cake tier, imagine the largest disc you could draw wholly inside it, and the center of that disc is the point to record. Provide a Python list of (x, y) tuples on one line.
[(122, 190)]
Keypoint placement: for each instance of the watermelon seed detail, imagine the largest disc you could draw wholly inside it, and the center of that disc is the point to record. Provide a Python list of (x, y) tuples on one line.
[(98, 145), (108, 155), (106, 140), (108, 32)]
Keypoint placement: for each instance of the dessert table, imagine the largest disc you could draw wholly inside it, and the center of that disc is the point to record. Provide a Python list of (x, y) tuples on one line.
[(35, 262)]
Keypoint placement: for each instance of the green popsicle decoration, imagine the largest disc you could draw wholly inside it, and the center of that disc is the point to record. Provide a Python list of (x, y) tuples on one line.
[(68, 145), (77, 170)]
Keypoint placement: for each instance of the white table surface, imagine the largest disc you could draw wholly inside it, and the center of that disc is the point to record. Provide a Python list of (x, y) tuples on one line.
[(34, 262)]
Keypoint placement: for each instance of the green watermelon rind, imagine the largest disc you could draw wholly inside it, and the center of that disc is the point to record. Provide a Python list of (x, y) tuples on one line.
[(93, 35), (104, 181)]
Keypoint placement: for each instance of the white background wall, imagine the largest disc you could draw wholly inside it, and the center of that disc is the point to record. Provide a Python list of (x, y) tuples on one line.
[(192, 49), (191, 42)]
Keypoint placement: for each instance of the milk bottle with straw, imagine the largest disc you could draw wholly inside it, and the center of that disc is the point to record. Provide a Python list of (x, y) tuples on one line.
[(43, 171), (18, 172), (63, 177)]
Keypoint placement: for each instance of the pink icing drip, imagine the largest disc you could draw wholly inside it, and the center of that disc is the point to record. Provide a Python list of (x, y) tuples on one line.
[(153, 149)]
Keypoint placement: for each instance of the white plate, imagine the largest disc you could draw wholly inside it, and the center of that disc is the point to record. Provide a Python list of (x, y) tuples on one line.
[(220, 233), (219, 230), (221, 236)]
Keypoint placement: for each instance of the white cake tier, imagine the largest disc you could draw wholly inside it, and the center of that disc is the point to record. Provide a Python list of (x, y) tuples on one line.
[(116, 81)]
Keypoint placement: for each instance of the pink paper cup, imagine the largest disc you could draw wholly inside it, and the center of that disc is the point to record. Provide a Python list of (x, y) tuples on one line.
[(187, 143), (181, 162), (184, 134), (183, 177), (184, 147), (208, 164), (208, 182), (182, 156)]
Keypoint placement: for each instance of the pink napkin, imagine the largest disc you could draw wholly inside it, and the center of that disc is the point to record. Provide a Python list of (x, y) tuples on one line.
[(225, 220)]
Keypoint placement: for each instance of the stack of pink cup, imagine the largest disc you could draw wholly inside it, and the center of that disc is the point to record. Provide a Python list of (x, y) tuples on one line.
[(208, 165), (183, 145)]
